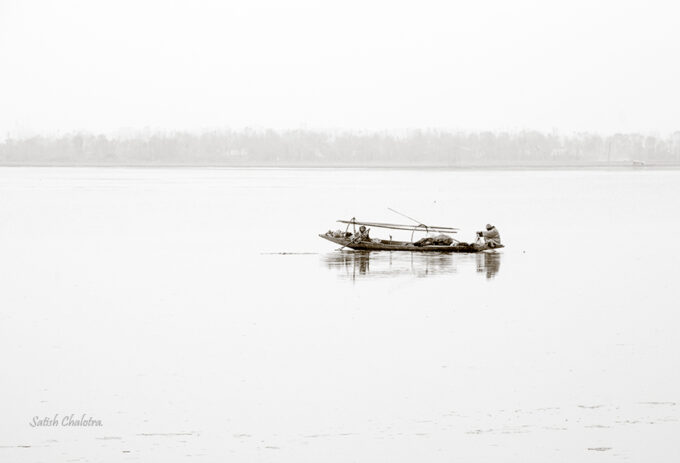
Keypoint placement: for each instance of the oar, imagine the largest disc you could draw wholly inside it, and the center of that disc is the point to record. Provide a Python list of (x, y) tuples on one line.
[(343, 247), (351, 239)]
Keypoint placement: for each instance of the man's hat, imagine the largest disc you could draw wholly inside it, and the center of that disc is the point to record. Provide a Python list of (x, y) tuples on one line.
[(489, 226)]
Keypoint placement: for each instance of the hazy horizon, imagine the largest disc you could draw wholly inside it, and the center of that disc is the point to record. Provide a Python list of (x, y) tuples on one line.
[(129, 132), (346, 148), (500, 66)]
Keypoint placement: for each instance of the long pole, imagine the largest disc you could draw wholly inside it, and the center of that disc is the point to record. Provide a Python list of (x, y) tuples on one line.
[(410, 218), (416, 221)]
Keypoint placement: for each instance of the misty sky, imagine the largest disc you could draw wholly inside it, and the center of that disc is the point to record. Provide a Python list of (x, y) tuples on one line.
[(500, 65)]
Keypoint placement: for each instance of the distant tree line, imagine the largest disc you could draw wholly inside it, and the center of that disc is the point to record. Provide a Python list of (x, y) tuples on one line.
[(319, 148)]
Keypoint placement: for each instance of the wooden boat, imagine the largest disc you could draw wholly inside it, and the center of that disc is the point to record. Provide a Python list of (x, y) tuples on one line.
[(392, 245), (387, 245)]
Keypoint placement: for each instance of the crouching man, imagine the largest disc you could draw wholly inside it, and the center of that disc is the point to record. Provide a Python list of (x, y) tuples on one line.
[(491, 236)]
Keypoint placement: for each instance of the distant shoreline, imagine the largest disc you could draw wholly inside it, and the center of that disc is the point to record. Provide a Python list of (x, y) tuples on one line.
[(417, 149)]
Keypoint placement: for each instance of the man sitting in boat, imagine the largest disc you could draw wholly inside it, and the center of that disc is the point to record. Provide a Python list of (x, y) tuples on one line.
[(361, 235), (491, 236)]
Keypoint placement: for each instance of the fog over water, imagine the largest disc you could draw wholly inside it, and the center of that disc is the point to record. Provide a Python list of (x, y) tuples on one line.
[(198, 315)]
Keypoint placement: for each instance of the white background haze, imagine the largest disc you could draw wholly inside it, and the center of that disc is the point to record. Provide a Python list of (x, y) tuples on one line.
[(491, 65)]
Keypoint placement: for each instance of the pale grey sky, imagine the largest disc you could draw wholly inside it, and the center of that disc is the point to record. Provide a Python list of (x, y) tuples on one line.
[(504, 64)]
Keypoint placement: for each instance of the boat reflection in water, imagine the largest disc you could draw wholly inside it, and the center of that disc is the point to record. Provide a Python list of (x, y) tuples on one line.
[(385, 264), (489, 263)]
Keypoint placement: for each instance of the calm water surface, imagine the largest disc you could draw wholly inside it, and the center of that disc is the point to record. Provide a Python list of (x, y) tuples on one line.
[(198, 315)]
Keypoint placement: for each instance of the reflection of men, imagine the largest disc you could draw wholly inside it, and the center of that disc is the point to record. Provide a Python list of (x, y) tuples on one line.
[(361, 235), (489, 263), (491, 236)]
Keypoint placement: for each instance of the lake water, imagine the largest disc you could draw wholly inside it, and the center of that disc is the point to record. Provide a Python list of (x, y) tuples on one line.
[(199, 317)]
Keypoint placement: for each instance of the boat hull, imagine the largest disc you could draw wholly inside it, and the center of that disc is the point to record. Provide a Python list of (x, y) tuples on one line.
[(386, 245)]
